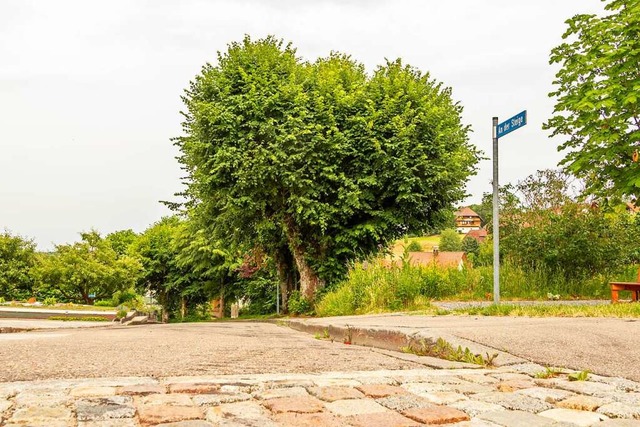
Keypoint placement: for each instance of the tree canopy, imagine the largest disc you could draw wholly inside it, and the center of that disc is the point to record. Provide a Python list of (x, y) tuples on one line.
[(317, 163), (597, 91), (17, 257)]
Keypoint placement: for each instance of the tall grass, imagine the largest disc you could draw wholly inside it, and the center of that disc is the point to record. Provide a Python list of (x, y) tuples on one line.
[(374, 287)]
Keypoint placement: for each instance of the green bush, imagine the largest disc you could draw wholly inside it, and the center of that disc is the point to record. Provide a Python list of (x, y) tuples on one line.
[(2, 300), (297, 304), (450, 241), (50, 301), (124, 297), (104, 303), (414, 246)]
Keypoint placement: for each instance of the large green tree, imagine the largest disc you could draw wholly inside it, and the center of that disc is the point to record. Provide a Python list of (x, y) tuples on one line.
[(317, 163), (87, 267), (597, 93), (17, 257)]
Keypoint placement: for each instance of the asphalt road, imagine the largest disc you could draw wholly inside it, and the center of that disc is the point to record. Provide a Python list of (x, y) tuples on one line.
[(602, 345), (179, 349)]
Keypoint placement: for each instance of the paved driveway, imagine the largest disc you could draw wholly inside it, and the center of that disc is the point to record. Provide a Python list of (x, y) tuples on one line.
[(179, 349)]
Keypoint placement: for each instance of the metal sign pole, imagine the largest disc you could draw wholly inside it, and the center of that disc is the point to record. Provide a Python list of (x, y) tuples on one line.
[(496, 223)]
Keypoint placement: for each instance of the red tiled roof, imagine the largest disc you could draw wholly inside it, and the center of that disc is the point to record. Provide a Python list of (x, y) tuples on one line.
[(466, 211), (479, 235)]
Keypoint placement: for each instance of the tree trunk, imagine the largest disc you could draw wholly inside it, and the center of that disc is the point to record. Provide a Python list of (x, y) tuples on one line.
[(183, 307), (309, 280), (284, 265)]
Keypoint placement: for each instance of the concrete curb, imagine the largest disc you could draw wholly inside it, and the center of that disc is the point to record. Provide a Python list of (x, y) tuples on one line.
[(395, 339)]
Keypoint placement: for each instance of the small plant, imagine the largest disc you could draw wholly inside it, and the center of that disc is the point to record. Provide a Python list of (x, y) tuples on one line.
[(121, 314), (579, 376), (2, 300), (553, 297), (50, 301), (444, 350), (548, 373), (414, 246), (348, 338)]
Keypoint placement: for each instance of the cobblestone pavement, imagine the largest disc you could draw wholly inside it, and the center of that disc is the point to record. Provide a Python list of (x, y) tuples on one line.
[(507, 396)]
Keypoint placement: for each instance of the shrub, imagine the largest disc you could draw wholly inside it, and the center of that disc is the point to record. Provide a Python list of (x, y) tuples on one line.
[(471, 246), (450, 240), (126, 296), (414, 246), (50, 301), (297, 304), (104, 303)]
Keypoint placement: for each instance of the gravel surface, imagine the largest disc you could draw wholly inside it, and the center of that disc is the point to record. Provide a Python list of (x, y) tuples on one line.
[(179, 349)]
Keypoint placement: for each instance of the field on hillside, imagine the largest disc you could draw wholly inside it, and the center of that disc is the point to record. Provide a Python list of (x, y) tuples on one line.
[(427, 243)]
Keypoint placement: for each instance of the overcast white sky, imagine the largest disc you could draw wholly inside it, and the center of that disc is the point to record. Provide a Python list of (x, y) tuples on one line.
[(90, 91)]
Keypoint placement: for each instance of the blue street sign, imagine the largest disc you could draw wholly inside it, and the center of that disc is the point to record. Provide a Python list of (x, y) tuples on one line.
[(511, 124)]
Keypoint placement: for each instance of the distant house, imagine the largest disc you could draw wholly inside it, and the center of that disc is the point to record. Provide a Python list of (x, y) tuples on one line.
[(467, 220), (441, 259), (479, 235)]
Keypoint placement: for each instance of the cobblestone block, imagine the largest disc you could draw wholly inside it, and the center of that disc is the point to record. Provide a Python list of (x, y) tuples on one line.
[(321, 419), (514, 401), (513, 385), (476, 407), (443, 397), (275, 393), (355, 407), (549, 395), (582, 403), (194, 388), (104, 408), (589, 388), (381, 390), (517, 419), (240, 414), (304, 404), (331, 394), (88, 391), (573, 416), (381, 419), (122, 422), (619, 410), (401, 403), (436, 415), (479, 379), (422, 388), (35, 416), (219, 398), (188, 423), (156, 414), (165, 399), (141, 389)]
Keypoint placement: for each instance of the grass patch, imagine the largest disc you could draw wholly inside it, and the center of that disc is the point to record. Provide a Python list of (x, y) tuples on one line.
[(78, 307), (79, 318), (621, 310)]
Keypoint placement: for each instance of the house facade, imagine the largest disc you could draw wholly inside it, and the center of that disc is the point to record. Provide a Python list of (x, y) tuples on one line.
[(467, 220)]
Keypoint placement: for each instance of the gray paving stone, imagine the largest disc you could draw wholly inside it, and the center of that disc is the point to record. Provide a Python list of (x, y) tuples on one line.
[(619, 410), (519, 419), (104, 408), (619, 423), (122, 422), (475, 407), (549, 395), (401, 403), (5, 405), (572, 416), (35, 416), (513, 401), (189, 423), (219, 398), (275, 393), (589, 388)]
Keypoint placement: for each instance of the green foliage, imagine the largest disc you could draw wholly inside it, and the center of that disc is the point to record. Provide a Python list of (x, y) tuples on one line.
[(260, 292), (548, 373), (50, 301), (90, 266), (470, 246), (104, 303), (579, 376), (414, 247), (121, 240), (298, 304), (597, 92), (17, 258), (319, 163), (450, 241), (126, 296)]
